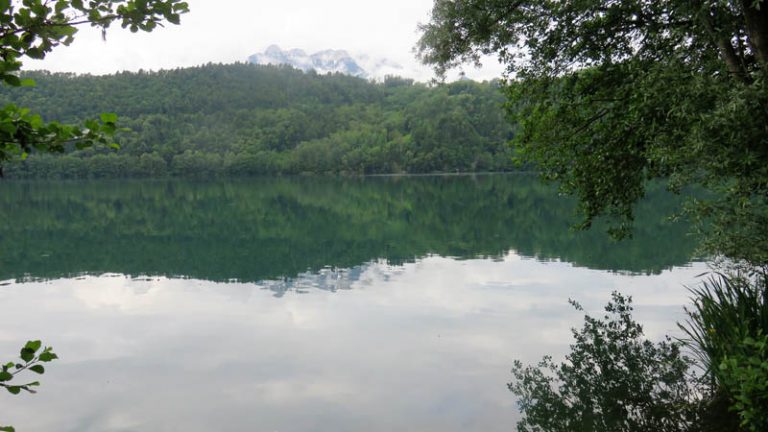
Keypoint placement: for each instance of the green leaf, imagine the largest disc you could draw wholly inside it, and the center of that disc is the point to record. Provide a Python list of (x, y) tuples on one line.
[(36, 53), (108, 117), (66, 30), (33, 345), (47, 356), (14, 389), (27, 82), (8, 128), (37, 369), (5, 376), (27, 355), (12, 80)]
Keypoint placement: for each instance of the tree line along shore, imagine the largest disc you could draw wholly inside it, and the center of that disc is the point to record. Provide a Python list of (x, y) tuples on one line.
[(243, 119)]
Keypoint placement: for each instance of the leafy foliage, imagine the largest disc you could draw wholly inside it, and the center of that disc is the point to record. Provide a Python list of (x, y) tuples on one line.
[(613, 380), (31, 358), (32, 29), (609, 95), (745, 374), (21, 132), (728, 326)]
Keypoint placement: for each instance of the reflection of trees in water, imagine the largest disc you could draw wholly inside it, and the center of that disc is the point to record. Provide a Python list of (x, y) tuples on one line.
[(269, 229)]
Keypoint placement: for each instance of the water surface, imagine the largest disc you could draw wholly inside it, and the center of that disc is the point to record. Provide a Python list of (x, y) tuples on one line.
[(308, 304)]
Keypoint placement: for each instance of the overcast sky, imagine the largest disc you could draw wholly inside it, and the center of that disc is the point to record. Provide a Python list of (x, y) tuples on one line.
[(230, 30)]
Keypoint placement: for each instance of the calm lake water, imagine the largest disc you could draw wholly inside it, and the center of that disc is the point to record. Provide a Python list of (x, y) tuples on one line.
[(309, 304)]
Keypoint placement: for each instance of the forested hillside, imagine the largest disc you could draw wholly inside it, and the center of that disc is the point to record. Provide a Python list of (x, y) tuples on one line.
[(245, 119)]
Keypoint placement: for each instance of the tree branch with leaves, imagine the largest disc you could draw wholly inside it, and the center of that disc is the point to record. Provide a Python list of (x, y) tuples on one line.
[(32, 29), (31, 358)]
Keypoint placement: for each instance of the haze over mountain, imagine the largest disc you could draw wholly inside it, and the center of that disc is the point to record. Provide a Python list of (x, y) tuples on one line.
[(329, 60)]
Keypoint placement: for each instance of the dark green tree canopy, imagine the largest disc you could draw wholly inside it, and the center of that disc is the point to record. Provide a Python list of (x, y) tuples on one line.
[(551, 38), (610, 94)]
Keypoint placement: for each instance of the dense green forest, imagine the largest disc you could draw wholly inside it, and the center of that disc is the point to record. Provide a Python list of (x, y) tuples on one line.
[(274, 228), (243, 119)]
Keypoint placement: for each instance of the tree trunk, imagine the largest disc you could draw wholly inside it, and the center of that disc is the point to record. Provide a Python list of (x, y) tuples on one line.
[(756, 21), (733, 62)]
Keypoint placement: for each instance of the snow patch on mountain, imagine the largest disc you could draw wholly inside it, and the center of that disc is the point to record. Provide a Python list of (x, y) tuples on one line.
[(333, 61)]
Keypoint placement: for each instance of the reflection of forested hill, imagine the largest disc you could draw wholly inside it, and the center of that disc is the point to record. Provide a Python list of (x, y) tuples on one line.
[(247, 119), (272, 228)]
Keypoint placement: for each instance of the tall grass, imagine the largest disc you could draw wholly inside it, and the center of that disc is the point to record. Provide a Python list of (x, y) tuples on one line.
[(728, 330)]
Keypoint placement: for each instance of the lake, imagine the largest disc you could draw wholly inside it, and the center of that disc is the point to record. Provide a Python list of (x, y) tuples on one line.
[(309, 304)]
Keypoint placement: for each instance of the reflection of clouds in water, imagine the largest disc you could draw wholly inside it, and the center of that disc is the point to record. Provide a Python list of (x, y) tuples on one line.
[(120, 293), (292, 392), (423, 346)]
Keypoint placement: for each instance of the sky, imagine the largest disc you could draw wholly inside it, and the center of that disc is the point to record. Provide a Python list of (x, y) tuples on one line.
[(226, 31)]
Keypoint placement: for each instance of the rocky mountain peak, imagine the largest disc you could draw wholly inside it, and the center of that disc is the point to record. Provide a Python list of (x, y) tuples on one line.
[(328, 60)]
